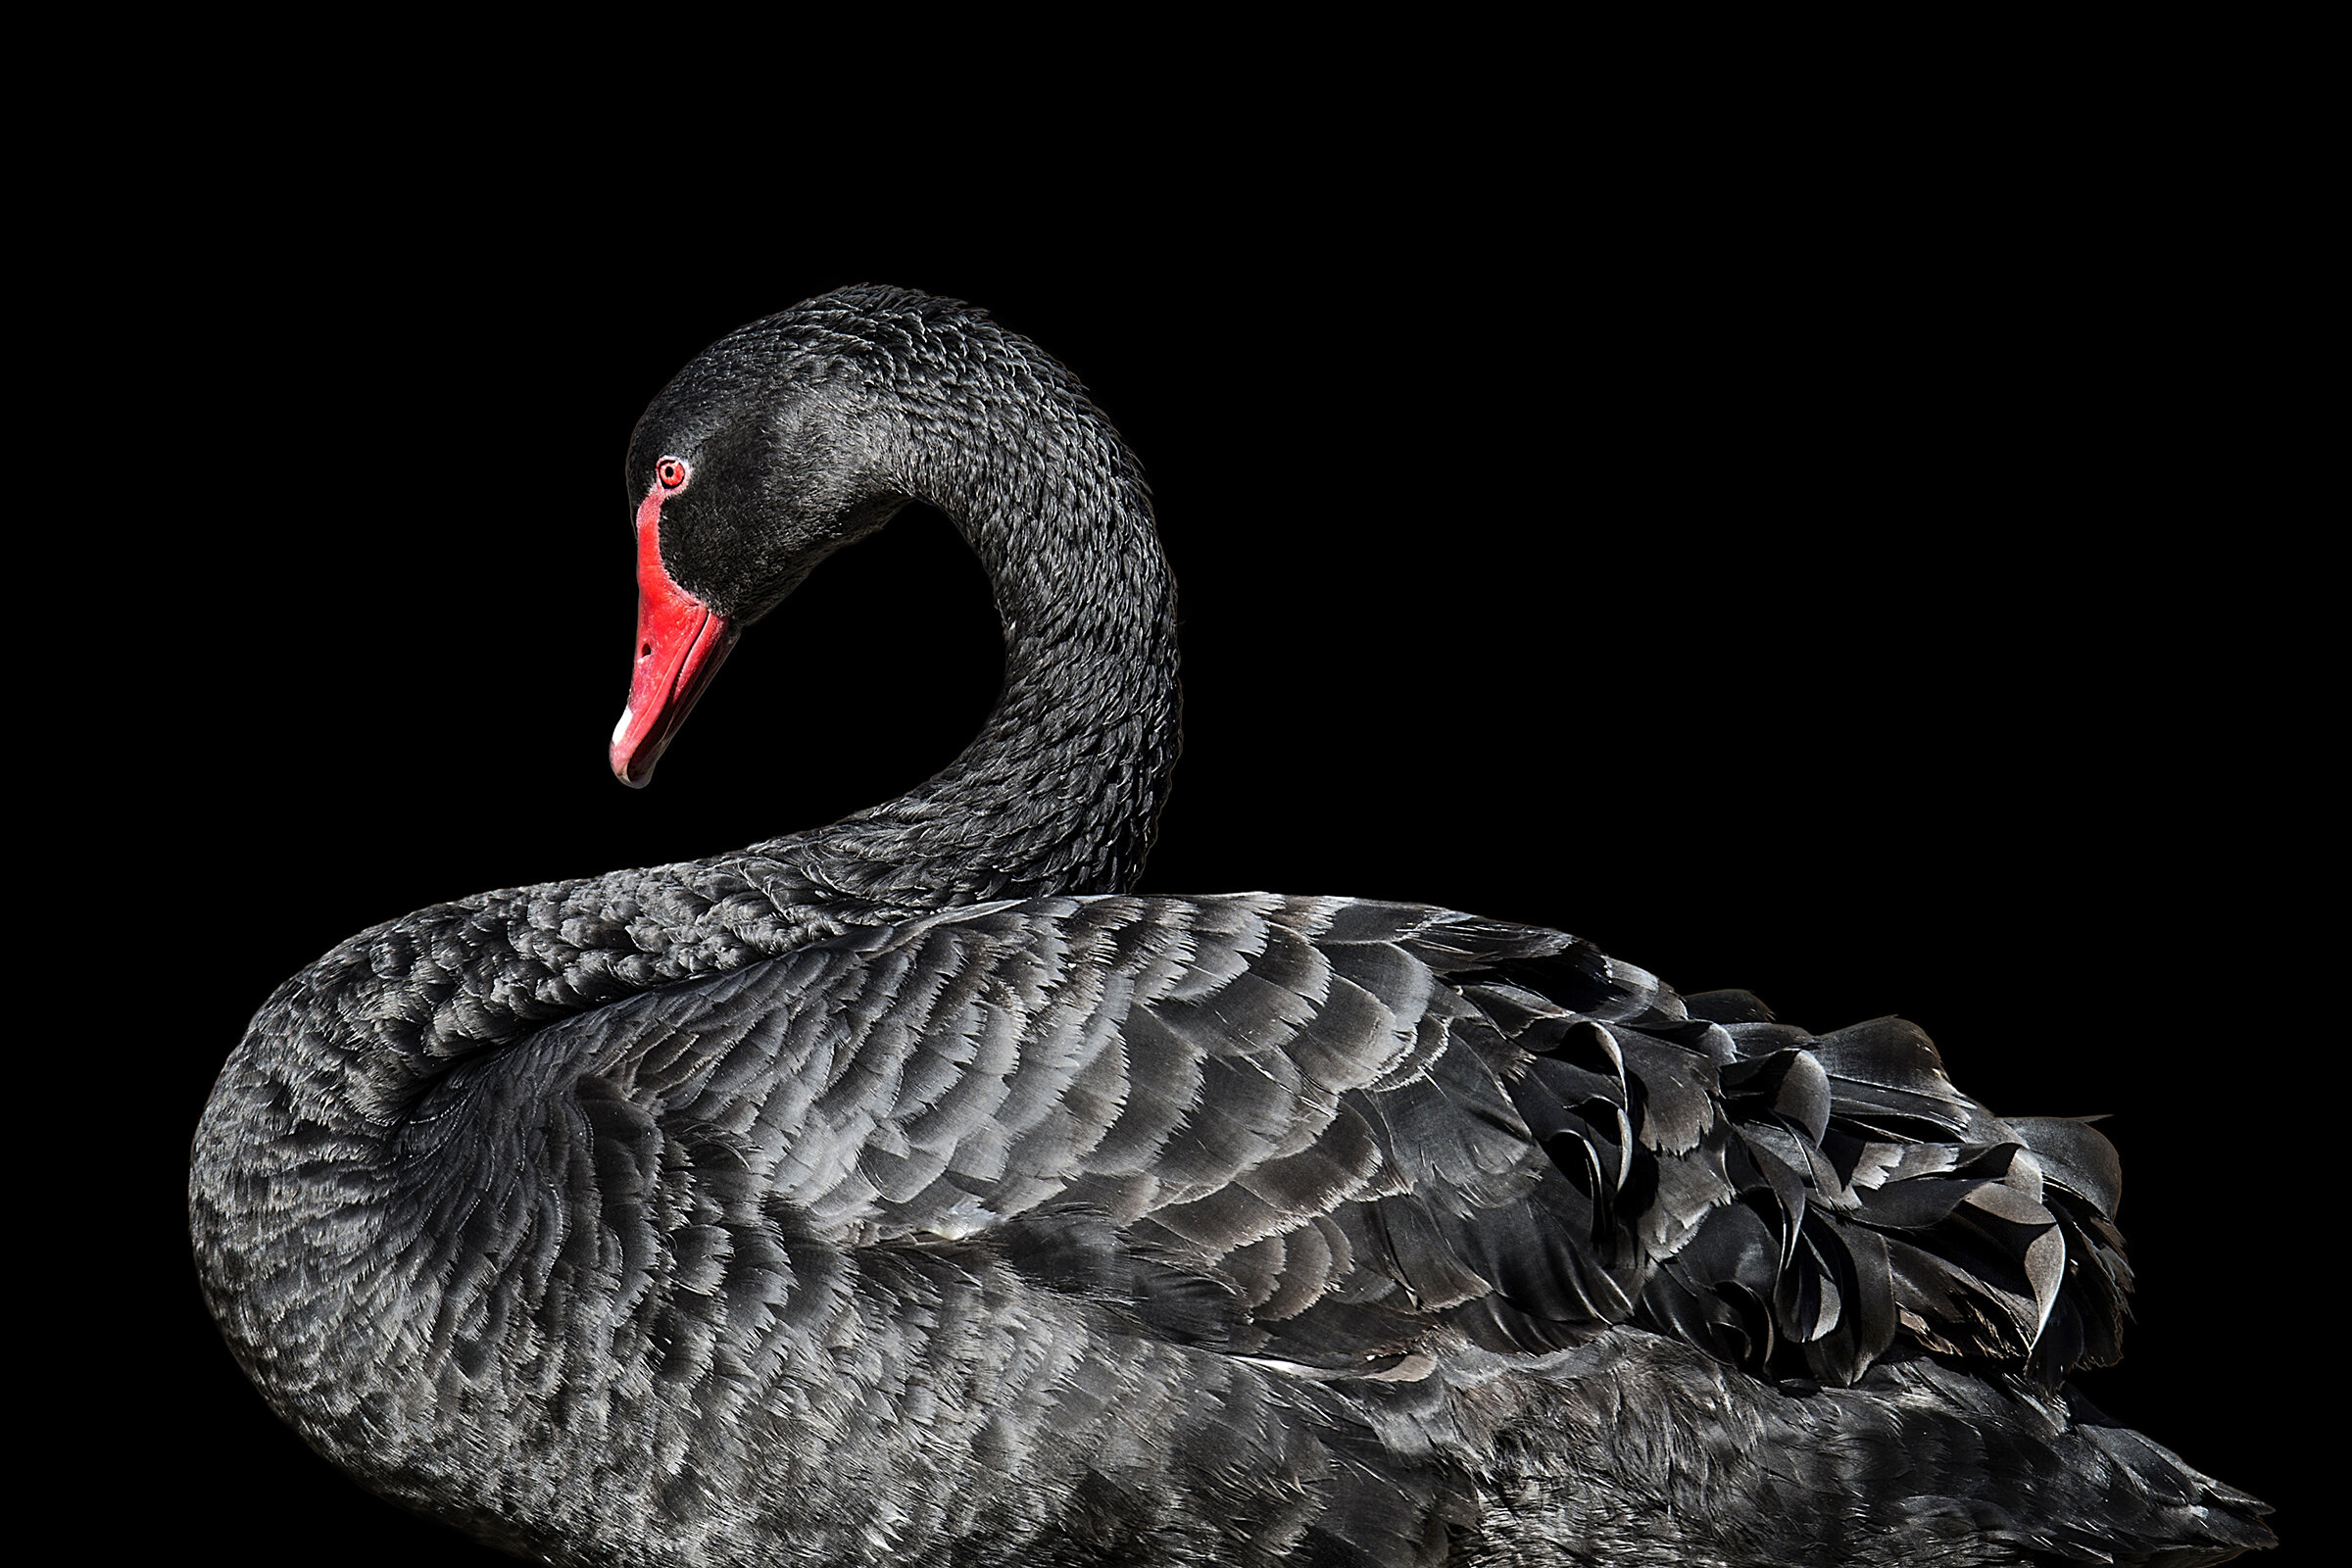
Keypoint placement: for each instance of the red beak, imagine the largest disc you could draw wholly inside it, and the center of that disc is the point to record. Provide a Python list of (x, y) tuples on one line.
[(680, 645)]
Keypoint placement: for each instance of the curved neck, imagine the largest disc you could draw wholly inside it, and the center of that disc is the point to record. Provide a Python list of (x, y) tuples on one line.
[(1062, 790)]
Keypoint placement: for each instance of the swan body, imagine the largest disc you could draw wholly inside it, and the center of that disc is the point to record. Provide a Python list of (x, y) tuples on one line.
[(907, 1190)]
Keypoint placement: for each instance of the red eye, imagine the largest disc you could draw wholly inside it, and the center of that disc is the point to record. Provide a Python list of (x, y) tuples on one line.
[(671, 471)]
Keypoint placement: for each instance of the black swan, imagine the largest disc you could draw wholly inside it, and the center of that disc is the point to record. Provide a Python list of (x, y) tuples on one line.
[(905, 1191)]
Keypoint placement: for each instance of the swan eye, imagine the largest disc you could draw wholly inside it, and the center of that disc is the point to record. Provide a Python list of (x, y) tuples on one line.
[(671, 471)]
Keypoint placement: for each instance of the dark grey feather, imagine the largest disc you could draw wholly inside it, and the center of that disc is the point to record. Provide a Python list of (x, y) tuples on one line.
[(905, 1192)]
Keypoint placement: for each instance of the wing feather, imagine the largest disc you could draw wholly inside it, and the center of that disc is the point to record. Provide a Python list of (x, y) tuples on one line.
[(1347, 1139)]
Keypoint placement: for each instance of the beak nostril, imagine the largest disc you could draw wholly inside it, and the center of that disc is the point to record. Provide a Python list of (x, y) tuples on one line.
[(646, 651)]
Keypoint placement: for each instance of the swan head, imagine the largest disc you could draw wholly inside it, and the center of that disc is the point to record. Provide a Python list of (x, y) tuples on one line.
[(771, 449)]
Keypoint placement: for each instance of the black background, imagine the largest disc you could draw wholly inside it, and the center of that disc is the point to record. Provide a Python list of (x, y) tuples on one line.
[(1839, 588)]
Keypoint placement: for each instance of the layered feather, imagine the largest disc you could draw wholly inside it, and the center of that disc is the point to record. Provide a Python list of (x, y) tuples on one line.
[(1176, 1208), (796, 1205)]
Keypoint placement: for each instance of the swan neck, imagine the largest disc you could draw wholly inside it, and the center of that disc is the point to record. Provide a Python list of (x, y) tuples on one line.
[(1062, 790)]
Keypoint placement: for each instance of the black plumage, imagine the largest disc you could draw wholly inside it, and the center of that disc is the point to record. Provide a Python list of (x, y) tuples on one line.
[(904, 1191)]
